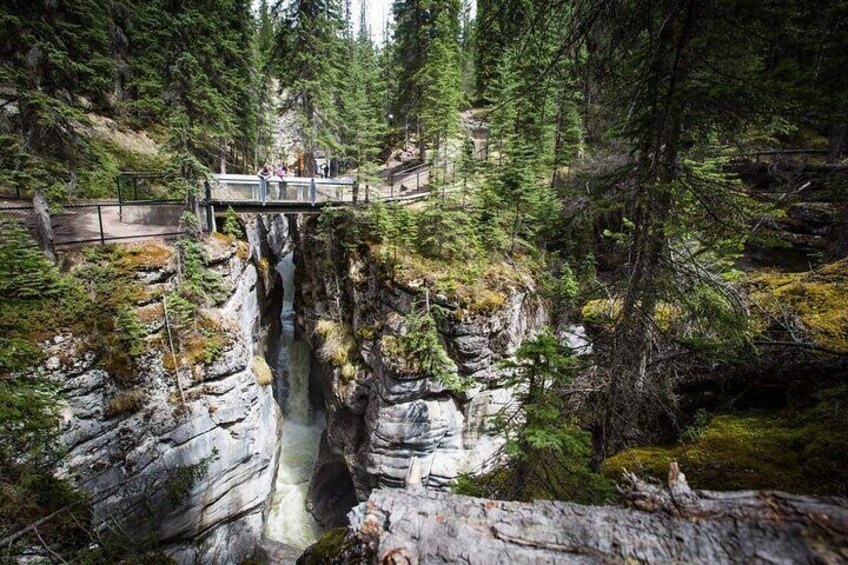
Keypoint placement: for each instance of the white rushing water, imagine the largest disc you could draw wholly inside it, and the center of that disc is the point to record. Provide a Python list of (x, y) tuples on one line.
[(289, 521)]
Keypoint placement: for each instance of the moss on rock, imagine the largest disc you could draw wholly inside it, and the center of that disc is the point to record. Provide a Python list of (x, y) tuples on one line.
[(819, 300), (335, 546), (803, 452)]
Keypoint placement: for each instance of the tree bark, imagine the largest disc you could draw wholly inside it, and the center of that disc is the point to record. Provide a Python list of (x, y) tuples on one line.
[(43, 225), (836, 145), (657, 525)]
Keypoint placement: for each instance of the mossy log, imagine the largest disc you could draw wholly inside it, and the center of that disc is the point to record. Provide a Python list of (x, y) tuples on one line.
[(658, 524)]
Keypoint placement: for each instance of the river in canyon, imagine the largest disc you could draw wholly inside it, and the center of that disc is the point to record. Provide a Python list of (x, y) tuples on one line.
[(289, 521)]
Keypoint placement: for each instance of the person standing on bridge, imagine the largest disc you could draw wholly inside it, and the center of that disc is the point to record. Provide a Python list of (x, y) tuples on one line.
[(264, 173), (281, 172)]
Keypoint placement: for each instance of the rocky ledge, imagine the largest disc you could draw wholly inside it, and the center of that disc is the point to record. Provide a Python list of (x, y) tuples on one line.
[(382, 410), (186, 459)]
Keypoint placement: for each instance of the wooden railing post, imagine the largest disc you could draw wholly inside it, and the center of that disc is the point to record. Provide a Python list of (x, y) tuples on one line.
[(43, 227)]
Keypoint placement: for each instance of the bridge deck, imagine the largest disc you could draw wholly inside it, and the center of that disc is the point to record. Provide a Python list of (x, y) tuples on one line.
[(248, 193)]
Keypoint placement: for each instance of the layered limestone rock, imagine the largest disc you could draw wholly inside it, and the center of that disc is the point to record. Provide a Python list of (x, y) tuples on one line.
[(380, 413), (190, 462)]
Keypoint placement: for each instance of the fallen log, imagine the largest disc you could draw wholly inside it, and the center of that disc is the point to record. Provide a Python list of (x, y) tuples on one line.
[(657, 524)]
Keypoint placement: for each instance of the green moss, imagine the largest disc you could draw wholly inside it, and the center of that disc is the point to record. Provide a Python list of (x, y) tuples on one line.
[(819, 299), (95, 300), (601, 311), (803, 452), (331, 548)]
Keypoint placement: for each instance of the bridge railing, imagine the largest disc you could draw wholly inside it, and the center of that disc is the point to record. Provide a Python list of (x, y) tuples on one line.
[(280, 190)]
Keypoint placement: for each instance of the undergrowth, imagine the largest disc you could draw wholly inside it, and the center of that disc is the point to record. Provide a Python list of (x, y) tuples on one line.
[(438, 247), (794, 450)]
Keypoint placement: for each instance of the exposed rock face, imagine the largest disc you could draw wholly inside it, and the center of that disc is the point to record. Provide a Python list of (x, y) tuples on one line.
[(382, 417), (197, 475), (664, 525)]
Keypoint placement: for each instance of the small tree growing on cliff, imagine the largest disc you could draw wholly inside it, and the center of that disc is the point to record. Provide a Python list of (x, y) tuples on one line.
[(548, 454)]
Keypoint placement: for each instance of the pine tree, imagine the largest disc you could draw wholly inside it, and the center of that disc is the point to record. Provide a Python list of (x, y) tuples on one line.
[(52, 54), (548, 455), (468, 40), (361, 102), (312, 55), (441, 84), (263, 77), (191, 67)]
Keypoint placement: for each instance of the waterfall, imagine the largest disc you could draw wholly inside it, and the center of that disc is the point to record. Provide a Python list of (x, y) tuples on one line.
[(289, 521)]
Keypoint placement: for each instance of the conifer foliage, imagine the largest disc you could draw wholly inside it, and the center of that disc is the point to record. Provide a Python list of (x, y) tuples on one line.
[(187, 66)]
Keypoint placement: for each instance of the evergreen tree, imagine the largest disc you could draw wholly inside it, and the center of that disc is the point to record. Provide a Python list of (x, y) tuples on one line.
[(427, 57), (264, 44), (468, 52), (310, 70), (361, 102), (548, 455), (441, 85), (51, 55), (499, 25)]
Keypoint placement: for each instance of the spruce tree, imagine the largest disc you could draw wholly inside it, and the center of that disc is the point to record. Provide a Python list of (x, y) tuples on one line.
[(361, 109), (441, 84), (311, 58)]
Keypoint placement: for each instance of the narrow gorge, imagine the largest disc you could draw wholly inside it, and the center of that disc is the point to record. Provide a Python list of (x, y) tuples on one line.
[(299, 402), (394, 282)]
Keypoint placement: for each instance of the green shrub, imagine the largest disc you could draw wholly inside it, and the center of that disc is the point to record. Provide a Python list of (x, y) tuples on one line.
[(420, 350), (25, 273), (190, 224), (182, 480), (232, 225)]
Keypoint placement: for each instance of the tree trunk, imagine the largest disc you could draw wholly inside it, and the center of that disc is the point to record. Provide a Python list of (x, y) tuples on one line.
[(629, 403), (658, 525), (43, 226), (836, 145)]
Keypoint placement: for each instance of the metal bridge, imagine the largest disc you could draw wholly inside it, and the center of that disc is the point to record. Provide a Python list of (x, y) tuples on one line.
[(150, 205), (246, 193)]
